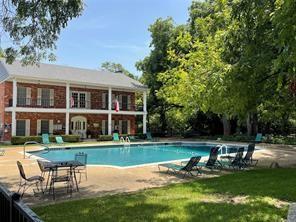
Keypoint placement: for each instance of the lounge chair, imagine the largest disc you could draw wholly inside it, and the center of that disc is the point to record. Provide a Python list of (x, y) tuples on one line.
[(115, 137), (150, 138), (212, 162), (258, 138), (59, 140), (2, 152), (45, 139), (235, 162), (25, 182), (248, 159), (187, 169)]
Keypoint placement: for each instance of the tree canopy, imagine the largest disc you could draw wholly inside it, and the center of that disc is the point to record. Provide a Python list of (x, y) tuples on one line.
[(235, 59), (117, 67), (34, 27)]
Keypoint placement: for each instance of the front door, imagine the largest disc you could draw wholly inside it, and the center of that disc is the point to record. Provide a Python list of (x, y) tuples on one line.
[(79, 126)]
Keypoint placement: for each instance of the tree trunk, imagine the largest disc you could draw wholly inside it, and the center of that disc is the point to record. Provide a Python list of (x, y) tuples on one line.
[(252, 124), (226, 126)]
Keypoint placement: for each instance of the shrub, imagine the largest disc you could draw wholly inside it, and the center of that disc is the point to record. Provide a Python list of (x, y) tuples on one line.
[(19, 140), (104, 138)]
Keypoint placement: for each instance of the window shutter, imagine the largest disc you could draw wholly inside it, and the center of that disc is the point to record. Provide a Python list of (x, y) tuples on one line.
[(51, 97), (28, 96), (38, 126), (129, 102), (51, 126), (113, 100), (120, 126), (103, 127), (128, 127), (39, 92), (88, 100), (104, 101), (28, 127), (120, 101), (113, 125)]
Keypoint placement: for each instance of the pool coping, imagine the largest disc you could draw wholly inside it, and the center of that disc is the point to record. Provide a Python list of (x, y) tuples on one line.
[(30, 155)]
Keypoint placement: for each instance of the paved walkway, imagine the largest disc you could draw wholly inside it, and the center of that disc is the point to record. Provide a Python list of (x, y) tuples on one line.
[(106, 180)]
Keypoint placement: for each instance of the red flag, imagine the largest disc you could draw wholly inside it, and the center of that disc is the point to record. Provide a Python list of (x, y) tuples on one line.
[(116, 106), (72, 101)]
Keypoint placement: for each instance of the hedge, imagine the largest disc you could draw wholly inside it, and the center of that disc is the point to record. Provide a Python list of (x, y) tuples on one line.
[(19, 140), (104, 138)]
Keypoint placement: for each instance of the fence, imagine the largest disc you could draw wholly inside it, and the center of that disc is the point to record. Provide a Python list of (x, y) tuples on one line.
[(12, 209)]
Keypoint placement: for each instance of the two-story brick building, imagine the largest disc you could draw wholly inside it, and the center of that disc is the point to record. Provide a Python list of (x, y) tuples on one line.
[(58, 99)]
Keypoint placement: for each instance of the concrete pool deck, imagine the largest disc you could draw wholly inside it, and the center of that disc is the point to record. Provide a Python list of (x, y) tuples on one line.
[(106, 180)]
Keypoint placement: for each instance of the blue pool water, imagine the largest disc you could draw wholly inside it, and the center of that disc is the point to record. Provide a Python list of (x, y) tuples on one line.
[(124, 156)]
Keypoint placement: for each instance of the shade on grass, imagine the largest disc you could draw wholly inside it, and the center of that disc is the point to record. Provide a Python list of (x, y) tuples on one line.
[(257, 195)]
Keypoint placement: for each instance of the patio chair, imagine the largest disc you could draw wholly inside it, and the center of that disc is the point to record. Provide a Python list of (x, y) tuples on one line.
[(187, 169), (56, 178), (45, 139), (248, 160), (2, 152), (212, 162), (25, 182), (82, 158), (237, 161), (59, 140), (115, 137), (44, 170), (258, 138)]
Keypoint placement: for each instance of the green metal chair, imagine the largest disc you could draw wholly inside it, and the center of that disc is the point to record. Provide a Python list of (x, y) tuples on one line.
[(45, 139), (59, 140), (258, 138), (115, 137), (187, 169)]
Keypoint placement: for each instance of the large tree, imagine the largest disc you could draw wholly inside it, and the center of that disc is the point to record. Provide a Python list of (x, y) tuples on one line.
[(161, 33), (34, 26), (117, 67)]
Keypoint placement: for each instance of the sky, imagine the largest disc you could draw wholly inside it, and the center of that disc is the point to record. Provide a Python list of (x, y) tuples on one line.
[(115, 31)]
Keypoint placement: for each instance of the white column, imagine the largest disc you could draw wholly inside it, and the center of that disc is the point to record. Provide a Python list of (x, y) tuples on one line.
[(145, 101), (14, 103), (67, 108), (145, 112), (109, 124), (109, 111), (144, 123)]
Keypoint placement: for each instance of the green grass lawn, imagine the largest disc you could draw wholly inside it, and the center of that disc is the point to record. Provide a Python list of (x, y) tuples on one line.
[(257, 195)]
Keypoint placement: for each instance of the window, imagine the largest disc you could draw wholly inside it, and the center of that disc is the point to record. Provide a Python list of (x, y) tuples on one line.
[(124, 127), (45, 97), (79, 100), (124, 102), (21, 96), (21, 127), (44, 126)]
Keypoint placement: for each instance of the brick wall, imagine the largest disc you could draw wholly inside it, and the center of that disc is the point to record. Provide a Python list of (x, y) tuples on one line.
[(59, 93), (2, 107)]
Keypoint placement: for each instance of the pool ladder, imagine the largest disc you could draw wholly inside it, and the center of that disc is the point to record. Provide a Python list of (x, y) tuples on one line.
[(126, 141), (33, 142)]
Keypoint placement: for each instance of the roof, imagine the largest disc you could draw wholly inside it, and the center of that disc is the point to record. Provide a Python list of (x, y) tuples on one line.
[(49, 72)]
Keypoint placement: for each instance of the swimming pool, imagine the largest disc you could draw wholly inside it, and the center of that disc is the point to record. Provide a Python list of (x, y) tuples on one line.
[(132, 155)]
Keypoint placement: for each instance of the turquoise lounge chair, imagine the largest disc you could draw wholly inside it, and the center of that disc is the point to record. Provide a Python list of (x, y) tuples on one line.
[(59, 140), (258, 138), (116, 137), (45, 139), (149, 136)]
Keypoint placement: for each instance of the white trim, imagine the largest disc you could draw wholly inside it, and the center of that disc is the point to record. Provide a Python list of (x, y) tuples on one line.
[(13, 123), (61, 110), (145, 101), (144, 88), (38, 126), (14, 92), (50, 128)]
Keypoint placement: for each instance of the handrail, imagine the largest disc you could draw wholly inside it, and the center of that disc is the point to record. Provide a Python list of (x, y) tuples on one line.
[(32, 142)]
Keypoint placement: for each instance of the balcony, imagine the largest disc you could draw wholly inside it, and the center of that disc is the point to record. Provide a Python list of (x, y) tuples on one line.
[(50, 103)]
